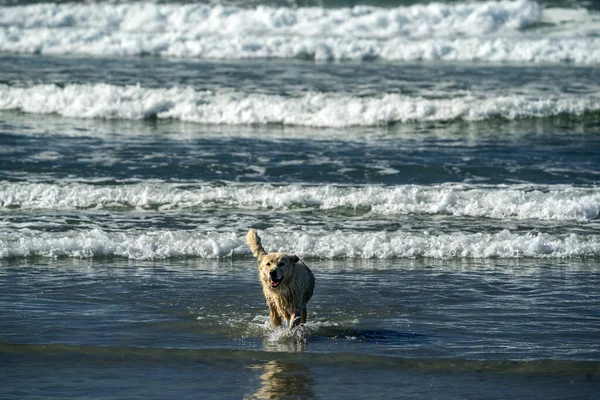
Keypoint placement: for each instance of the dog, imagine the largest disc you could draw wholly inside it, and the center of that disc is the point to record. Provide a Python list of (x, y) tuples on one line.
[(287, 283)]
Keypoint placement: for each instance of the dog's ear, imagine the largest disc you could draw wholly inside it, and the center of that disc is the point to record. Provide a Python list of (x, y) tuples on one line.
[(294, 258)]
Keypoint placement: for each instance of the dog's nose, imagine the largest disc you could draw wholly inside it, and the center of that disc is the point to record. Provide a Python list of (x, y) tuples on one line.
[(273, 273)]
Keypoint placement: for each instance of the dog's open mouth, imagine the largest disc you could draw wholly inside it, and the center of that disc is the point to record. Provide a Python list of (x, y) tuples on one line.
[(274, 280)]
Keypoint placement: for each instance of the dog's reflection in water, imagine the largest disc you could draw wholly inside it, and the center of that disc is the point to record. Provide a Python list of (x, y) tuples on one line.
[(283, 380)]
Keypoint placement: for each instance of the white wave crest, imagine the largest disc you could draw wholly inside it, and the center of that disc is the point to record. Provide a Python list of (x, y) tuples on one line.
[(434, 19), (493, 31), (99, 243), (334, 245), (309, 109), (559, 203), (549, 50)]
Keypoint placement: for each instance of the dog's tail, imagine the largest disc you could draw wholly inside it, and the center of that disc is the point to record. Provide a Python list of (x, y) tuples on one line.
[(255, 244)]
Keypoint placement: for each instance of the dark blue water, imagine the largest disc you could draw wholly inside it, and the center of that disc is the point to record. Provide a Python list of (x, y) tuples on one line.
[(422, 328)]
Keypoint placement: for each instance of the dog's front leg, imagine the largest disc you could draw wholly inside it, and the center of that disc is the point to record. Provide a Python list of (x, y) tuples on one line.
[(297, 317), (275, 318), (294, 320)]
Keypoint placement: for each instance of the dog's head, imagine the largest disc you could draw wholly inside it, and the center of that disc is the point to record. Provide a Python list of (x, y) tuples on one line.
[(275, 268)]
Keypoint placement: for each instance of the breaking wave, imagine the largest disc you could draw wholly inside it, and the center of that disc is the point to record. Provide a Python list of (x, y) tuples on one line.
[(557, 203), (310, 109), (331, 245), (492, 31)]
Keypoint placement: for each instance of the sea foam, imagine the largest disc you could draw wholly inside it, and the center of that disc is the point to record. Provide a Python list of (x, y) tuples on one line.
[(493, 31), (329, 245), (202, 19), (557, 203), (308, 109)]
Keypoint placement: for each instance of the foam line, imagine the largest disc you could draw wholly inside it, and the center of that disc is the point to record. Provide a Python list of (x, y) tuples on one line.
[(330, 245), (309, 109), (559, 203), (492, 31)]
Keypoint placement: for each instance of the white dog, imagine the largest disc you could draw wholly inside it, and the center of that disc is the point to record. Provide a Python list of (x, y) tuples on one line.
[(287, 283)]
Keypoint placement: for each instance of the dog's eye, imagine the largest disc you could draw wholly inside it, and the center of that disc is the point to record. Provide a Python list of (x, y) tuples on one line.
[(268, 264), (280, 264)]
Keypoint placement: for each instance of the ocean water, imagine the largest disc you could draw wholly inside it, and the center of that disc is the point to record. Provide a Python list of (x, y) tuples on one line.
[(436, 164)]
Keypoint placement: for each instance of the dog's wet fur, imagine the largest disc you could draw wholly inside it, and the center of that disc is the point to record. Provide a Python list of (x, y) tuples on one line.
[(287, 283)]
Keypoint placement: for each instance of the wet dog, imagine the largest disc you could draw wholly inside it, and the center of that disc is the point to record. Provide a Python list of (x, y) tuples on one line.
[(287, 283)]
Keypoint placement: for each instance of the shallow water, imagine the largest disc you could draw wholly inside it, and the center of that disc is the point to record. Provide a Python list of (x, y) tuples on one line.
[(195, 327)]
